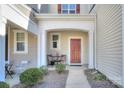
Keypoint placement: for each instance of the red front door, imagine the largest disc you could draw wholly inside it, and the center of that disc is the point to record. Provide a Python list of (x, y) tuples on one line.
[(75, 46)]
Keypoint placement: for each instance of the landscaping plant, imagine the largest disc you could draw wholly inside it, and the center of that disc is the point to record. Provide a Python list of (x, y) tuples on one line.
[(4, 85), (31, 76), (99, 76), (60, 68), (44, 70)]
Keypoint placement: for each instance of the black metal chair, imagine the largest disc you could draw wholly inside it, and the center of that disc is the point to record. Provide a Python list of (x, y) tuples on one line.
[(8, 70)]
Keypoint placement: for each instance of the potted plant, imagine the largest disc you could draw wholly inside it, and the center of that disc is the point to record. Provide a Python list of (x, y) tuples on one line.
[(52, 62)]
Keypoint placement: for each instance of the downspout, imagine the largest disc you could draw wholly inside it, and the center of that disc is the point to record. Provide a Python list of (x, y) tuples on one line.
[(95, 63), (92, 8)]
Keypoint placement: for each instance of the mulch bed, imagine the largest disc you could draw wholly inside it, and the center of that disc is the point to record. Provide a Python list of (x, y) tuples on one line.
[(98, 83), (51, 80)]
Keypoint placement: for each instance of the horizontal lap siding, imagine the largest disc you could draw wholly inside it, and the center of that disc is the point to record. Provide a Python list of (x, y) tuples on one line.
[(109, 41)]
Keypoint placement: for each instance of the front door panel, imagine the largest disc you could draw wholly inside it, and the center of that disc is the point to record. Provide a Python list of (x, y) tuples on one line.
[(75, 47)]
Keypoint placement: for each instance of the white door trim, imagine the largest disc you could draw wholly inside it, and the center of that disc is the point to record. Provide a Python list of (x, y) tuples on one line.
[(69, 56)]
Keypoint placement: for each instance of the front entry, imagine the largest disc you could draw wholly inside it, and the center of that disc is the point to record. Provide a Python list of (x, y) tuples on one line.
[(75, 51)]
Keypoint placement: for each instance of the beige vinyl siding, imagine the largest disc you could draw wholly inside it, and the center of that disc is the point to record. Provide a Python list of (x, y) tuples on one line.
[(31, 56), (109, 41), (64, 43)]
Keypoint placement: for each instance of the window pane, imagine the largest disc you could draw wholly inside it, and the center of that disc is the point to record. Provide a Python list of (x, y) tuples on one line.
[(72, 11), (54, 44), (64, 11), (64, 6), (20, 37), (55, 37), (20, 46), (72, 6)]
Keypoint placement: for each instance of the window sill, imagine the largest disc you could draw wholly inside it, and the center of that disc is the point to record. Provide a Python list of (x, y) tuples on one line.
[(20, 52)]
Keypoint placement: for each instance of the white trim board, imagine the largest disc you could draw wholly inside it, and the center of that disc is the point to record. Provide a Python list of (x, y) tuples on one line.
[(81, 50)]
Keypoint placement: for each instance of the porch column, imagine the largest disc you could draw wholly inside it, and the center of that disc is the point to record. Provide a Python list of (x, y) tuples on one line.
[(42, 48), (39, 50), (2, 47), (91, 64)]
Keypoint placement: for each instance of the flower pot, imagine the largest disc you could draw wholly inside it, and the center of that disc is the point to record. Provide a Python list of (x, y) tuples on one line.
[(52, 62)]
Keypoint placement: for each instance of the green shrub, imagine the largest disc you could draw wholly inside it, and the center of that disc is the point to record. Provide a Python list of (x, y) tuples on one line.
[(60, 68), (4, 85), (31, 76), (99, 76), (44, 70)]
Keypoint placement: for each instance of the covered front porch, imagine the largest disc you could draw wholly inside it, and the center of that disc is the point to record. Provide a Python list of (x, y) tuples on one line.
[(59, 33), (17, 33), (20, 52), (72, 44)]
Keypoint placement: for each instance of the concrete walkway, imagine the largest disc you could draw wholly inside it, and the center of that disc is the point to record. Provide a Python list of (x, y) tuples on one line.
[(77, 78)]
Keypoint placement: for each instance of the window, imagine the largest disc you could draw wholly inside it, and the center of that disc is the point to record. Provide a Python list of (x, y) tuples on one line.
[(68, 8), (20, 42), (55, 41)]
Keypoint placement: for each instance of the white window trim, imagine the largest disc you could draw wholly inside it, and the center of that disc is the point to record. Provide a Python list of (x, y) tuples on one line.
[(26, 42), (51, 41), (68, 9)]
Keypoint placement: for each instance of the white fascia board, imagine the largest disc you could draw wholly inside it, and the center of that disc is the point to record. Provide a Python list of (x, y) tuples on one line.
[(90, 17), (21, 19)]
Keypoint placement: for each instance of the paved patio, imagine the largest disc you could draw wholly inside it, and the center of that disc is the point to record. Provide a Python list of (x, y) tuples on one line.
[(76, 77), (12, 81)]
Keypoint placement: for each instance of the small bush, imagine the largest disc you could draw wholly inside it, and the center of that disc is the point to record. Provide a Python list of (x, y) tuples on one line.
[(4, 85), (99, 76), (31, 76), (44, 70), (60, 68)]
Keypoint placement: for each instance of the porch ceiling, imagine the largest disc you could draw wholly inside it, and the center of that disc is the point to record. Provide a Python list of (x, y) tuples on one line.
[(17, 27), (13, 25)]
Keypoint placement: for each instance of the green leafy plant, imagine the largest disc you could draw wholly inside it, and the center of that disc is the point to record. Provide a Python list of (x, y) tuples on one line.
[(4, 85), (99, 76), (60, 68), (31, 76), (44, 70)]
